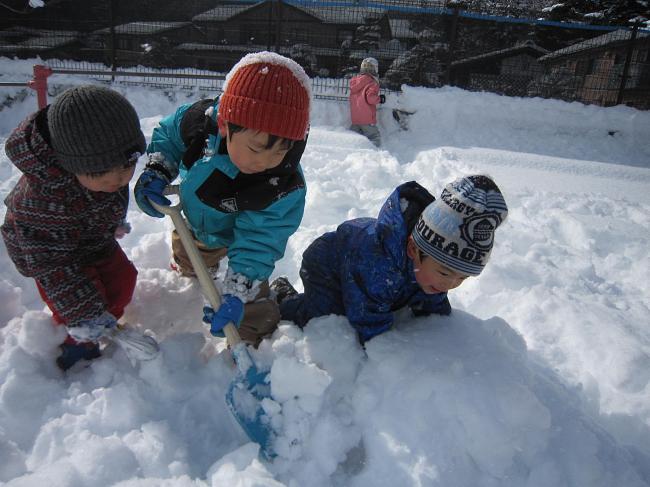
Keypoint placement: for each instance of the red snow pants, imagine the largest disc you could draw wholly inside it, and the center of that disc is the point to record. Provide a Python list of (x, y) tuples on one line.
[(115, 279)]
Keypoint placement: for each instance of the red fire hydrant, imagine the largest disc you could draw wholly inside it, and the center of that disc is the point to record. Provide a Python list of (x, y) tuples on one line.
[(39, 83)]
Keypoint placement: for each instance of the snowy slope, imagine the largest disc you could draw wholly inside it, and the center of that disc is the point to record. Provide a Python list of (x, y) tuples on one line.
[(540, 376)]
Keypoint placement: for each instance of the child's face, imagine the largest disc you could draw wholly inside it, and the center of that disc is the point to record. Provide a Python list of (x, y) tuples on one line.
[(247, 150), (108, 182), (432, 276)]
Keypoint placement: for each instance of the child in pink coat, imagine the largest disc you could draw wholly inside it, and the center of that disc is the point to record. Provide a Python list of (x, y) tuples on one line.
[(364, 98)]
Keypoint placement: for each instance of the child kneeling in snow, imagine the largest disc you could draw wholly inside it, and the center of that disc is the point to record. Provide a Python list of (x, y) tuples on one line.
[(69, 206), (411, 255), (242, 186)]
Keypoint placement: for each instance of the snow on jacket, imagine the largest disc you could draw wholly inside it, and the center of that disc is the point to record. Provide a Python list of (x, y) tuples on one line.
[(54, 227), (364, 97), (256, 238), (362, 269)]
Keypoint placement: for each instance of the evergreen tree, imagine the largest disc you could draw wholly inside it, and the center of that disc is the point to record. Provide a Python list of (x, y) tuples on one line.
[(624, 11), (510, 8), (346, 65), (303, 54), (601, 12), (423, 65), (368, 36)]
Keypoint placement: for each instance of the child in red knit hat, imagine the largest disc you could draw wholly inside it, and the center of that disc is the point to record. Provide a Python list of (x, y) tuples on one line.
[(242, 186)]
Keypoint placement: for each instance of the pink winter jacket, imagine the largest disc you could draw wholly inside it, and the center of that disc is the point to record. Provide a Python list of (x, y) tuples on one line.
[(364, 97)]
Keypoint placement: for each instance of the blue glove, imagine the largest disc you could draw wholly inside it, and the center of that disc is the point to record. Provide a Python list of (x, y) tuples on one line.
[(150, 186), (92, 329), (230, 311)]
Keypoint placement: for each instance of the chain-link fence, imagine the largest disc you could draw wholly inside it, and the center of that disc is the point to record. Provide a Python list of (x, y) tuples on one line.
[(417, 42)]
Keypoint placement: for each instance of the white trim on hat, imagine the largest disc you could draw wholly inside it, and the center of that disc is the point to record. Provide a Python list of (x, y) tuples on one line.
[(276, 59)]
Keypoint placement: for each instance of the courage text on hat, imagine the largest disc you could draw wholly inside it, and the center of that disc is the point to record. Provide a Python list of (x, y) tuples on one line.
[(451, 248)]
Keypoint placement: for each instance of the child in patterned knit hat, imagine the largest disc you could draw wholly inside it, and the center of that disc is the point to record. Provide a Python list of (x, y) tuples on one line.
[(63, 216), (411, 255), (242, 187)]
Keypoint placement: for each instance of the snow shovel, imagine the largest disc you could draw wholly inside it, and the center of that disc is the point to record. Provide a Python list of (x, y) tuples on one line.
[(138, 347), (247, 392)]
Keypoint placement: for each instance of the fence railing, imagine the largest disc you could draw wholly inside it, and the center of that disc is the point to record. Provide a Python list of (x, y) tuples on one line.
[(417, 42)]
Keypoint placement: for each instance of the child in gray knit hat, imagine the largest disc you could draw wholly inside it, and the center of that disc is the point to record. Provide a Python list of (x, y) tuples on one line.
[(412, 254), (63, 216)]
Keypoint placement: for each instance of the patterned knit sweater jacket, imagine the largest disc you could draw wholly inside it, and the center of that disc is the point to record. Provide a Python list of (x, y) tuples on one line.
[(54, 227)]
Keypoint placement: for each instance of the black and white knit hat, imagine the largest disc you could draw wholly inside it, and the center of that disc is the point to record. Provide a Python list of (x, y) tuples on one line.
[(94, 129), (458, 229)]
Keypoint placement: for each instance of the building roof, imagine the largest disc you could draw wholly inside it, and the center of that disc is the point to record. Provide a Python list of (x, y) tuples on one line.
[(195, 46), (597, 42), (42, 40), (358, 55), (49, 39), (144, 28), (339, 14), (326, 14), (221, 13), (527, 46)]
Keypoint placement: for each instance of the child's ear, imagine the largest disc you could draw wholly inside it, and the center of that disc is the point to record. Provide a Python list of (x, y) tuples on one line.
[(411, 249), (222, 126)]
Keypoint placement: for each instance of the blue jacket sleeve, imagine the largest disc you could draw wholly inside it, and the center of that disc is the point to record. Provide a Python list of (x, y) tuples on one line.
[(368, 294), (166, 139), (426, 305), (260, 237)]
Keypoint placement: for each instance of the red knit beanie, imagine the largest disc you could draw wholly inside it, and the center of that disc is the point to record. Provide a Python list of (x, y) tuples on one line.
[(267, 92)]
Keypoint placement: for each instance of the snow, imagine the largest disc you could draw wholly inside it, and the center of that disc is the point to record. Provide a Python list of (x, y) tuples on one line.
[(552, 7), (539, 377)]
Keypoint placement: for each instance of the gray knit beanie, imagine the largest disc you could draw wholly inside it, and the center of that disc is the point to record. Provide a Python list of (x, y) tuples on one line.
[(94, 129)]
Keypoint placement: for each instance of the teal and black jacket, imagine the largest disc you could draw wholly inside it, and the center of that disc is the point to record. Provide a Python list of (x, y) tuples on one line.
[(252, 215)]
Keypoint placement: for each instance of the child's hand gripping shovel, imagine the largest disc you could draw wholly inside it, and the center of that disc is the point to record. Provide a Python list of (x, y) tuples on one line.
[(248, 391)]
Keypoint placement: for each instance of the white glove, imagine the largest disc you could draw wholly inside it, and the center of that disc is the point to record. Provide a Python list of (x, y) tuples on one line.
[(240, 286), (92, 329)]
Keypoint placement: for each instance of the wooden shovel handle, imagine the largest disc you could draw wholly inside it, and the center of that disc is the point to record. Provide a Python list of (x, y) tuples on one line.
[(211, 291)]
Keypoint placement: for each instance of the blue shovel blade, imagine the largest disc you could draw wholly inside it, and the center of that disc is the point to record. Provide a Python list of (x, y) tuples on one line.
[(244, 398)]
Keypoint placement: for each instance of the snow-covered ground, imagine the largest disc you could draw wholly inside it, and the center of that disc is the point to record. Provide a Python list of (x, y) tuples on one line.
[(540, 377)]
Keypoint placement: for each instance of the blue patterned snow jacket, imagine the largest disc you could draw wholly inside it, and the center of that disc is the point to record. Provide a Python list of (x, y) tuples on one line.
[(362, 271), (254, 232)]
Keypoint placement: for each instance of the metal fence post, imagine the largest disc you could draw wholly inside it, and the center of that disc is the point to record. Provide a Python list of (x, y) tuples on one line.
[(111, 13), (626, 66), (278, 28), (269, 24), (39, 84), (452, 44)]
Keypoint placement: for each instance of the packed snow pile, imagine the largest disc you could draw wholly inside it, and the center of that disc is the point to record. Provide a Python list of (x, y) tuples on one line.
[(539, 377)]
